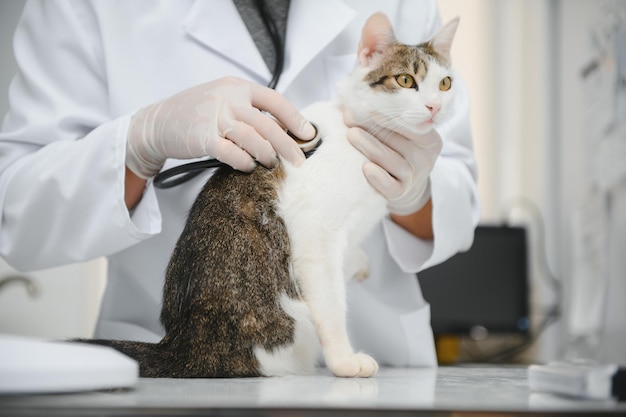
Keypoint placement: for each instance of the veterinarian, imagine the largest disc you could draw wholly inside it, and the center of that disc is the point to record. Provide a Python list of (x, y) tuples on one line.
[(76, 166)]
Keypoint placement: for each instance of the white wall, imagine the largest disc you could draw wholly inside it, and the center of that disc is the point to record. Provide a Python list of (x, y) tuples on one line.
[(501, 51)]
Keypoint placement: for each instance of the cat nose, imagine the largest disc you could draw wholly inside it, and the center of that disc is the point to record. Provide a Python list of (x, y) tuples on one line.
[(433, 108)]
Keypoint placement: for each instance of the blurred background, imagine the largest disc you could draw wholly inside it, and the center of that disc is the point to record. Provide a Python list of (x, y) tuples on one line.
[(547, 80)]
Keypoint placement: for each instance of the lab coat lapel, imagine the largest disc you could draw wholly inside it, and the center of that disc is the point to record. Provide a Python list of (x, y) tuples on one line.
[(312, 25), (218, 26)]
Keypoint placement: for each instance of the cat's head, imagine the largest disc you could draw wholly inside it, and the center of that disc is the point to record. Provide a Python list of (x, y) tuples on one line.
[(406, 87)]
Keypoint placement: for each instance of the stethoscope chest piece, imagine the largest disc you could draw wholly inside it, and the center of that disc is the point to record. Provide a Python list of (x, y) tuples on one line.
[(308, 145)]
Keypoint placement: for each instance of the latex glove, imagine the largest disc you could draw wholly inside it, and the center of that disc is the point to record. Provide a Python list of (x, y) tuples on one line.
[(400, 163), (222, 119)]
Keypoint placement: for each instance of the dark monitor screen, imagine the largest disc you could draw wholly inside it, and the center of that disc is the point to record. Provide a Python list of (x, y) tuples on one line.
[(485, 287)]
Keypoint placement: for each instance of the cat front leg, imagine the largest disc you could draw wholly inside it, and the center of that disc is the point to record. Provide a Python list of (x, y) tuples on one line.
[(319, 271)]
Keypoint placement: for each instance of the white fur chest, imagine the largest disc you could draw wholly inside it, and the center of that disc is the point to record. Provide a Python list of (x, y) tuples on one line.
[(329, 189)]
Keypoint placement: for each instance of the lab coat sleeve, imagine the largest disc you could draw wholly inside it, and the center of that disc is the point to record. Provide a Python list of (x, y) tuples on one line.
[(62, 155)]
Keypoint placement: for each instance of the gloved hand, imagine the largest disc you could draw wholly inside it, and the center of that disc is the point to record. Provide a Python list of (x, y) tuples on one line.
[(400, 162), (222, 119)]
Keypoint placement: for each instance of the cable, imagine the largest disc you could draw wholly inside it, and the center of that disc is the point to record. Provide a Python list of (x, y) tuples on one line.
[(535, 212), (504, 355)]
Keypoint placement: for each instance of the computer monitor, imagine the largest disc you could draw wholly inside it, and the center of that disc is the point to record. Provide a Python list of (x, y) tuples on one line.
[(485, 288)]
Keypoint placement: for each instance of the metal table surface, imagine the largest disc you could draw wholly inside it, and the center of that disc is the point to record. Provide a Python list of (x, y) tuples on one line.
[(458, 391)]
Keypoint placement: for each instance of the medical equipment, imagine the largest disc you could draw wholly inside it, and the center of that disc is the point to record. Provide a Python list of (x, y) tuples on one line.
[(29, 366), (484, 290), (588, 381), (188, 171)]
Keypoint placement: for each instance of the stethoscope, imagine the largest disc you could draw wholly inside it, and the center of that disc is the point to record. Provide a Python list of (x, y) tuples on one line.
[(185, 172)]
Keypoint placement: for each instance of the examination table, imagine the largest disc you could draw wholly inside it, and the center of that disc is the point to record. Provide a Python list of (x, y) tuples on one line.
[(446, 391)]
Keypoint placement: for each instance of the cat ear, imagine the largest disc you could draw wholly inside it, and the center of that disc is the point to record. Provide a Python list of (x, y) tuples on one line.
[(376, 37), (442, 41)]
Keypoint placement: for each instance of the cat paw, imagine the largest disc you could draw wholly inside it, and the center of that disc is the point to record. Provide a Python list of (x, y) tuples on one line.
[(358, 365)]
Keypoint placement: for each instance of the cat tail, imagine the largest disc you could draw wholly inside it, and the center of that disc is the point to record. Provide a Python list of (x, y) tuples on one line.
[(150, 356)]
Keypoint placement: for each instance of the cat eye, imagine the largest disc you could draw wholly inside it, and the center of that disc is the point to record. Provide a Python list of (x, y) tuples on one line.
[(445, 84), (406, 81)]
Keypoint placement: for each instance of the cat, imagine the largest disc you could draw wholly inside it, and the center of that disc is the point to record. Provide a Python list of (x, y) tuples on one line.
[(256, 283)]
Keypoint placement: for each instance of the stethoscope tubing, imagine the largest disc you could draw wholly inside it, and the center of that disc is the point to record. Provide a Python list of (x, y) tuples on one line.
[(183, 173)]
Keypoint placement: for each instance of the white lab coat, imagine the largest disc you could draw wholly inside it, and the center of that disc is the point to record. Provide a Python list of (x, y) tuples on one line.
[(86, 66)]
